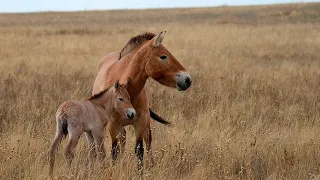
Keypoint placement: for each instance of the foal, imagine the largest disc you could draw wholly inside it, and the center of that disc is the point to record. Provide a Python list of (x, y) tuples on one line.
[(90, 116)]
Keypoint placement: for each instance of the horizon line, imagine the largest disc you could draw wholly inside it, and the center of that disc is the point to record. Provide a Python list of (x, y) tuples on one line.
[(153, 8)]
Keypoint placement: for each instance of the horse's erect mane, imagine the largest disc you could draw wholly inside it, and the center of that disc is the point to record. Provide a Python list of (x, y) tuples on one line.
[(95, 96), (136, 41)]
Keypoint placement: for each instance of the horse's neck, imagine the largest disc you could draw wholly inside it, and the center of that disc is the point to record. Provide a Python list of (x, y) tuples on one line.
[(104, 105), (136, 74)]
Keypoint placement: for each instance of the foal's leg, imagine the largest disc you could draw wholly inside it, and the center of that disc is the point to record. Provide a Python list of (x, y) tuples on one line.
[(74, 137), (92, 151), (98, 136), (148, 139)]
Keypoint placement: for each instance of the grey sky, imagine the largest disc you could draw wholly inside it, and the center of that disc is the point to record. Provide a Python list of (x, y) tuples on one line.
[(75, 5)]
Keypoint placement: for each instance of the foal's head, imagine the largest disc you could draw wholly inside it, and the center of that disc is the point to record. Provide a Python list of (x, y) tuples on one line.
[(121, 101), (118, 97), (163, 67)]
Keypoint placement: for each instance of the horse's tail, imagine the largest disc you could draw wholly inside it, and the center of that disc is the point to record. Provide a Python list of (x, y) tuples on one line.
[(158, 118)]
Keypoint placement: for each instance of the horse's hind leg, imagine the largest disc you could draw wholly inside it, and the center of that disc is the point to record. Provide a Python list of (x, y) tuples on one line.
[(148, 139), (74, 136)]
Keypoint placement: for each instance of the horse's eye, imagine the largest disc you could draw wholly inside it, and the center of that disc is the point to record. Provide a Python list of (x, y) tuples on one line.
[(121, 99), (163, 57)]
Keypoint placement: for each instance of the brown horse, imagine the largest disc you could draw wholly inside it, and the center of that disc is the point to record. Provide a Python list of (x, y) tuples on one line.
[(74, 117), (142, 57)]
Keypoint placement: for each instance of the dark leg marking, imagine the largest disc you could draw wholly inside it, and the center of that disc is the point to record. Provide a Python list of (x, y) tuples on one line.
[(115, 150), (139, 153)]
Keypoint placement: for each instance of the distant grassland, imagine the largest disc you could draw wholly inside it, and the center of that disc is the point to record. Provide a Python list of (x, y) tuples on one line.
[(253, 111)]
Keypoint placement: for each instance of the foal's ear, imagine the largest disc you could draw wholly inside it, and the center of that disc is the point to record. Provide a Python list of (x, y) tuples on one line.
[(117, 84), (158, 39)]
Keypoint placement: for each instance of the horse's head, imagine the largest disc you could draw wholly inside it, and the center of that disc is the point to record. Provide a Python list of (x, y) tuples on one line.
[(121, 101), (163, 67)]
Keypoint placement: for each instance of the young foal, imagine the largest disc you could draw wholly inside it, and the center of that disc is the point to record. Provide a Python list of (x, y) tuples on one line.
[(90, 116)]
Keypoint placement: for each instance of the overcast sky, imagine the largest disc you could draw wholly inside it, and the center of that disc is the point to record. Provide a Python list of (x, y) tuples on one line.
[(75, 5)]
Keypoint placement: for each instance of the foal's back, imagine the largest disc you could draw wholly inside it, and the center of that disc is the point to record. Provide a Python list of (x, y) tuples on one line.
[(78, 111)]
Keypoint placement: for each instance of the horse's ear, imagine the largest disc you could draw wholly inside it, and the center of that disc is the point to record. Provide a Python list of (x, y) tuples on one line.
[(127, 83), (116, 85), (158, 39)]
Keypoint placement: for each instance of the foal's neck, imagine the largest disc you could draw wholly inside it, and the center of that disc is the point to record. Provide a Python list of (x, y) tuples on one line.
[(104, 104)]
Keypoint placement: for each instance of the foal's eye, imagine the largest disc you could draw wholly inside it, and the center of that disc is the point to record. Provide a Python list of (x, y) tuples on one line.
[(163, 57), (121, 99)]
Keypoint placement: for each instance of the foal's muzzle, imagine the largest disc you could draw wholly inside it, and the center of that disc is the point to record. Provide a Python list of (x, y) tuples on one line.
[(131, 113), (183, 80)]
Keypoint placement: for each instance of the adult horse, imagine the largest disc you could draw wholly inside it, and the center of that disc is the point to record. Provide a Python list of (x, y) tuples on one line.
[(142, 57)]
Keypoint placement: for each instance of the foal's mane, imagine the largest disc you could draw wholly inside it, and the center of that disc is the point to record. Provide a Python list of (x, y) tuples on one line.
[(135, 41), (99, 94)]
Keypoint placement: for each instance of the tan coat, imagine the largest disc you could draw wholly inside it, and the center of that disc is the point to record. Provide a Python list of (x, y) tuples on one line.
[(141, 58), (74, 117)]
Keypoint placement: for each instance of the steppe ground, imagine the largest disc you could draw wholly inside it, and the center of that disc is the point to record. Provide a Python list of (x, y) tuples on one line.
[(253, 111)]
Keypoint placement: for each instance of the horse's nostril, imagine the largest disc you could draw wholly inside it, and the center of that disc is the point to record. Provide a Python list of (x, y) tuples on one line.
[(130, 115), (188, 81)]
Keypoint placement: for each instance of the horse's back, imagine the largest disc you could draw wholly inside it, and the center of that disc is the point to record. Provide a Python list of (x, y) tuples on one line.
[(108, 59), (103, 67)]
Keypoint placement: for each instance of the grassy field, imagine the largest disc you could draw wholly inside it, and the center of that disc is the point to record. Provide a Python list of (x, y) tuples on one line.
[(253, 111)]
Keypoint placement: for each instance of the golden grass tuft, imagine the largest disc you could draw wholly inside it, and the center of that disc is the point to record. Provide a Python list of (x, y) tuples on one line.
[(251, 113)]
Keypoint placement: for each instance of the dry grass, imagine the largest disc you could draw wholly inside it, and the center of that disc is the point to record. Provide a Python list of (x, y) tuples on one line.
[(253, 111)]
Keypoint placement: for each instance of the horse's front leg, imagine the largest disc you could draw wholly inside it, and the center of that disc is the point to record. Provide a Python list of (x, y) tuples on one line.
[(114, 133), (122, 138), (139, 150), (140, 128), (148, 140)]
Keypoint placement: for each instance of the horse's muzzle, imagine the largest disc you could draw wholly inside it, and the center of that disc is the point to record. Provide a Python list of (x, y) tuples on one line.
[(183, 80), (131, 113)]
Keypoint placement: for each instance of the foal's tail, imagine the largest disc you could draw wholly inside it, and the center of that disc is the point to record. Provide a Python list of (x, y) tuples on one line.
[(158, 118), (62, 132), (64, 128)]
